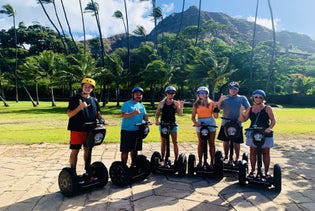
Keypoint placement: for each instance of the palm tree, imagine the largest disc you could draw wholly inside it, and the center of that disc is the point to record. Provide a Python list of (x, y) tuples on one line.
[(118, 14), (179, 29), (272, 59), (253, 47), (140, 31), (8, 10), (83, 27), (53, 24), (69, 28), (198, 27), (157, 13), (93, 7), (58, 19)]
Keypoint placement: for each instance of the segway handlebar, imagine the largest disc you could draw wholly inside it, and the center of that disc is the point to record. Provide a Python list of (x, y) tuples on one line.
[(206, 125)]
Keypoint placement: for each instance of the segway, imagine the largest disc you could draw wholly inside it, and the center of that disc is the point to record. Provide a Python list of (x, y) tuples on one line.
[(258, 136), (206, 169), (232, 130), (96, 174), (157, 164), (122, 175)]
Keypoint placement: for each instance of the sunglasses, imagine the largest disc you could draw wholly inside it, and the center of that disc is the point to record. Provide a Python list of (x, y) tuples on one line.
[(202, 93), (171, 93), (260, 97)]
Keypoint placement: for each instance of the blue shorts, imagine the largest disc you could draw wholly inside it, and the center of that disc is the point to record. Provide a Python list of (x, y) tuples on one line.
[(173, 129), (209, 121), (269, 141)]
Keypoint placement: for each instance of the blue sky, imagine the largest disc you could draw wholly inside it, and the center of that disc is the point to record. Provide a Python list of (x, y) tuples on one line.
[(291, 15)]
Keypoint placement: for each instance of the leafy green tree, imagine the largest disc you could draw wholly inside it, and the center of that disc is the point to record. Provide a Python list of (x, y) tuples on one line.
[(155, 74), (9, 10)]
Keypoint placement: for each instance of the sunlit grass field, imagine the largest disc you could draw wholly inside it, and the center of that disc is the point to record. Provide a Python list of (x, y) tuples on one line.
[(21, 123)]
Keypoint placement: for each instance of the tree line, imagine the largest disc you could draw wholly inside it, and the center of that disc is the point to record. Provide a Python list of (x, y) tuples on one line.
[(45, 60)]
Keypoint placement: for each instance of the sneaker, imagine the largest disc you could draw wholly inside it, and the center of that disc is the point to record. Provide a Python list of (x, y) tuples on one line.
[(199, 165)]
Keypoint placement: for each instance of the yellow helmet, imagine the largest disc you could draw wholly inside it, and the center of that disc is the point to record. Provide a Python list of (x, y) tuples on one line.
[(89, 81)]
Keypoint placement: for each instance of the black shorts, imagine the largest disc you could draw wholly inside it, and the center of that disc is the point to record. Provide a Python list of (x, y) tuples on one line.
[(223, 137), (129, 141)]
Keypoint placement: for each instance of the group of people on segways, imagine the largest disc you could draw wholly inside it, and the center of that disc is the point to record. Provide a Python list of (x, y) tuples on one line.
[(86, 126)]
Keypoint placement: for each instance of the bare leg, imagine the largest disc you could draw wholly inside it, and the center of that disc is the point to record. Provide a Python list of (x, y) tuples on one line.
[(237, 147), (266, 159), (163, 147), (212, 146), (74, 158), (252, 157), (175, 144), (124, 157), (226, 147), (200, 148)]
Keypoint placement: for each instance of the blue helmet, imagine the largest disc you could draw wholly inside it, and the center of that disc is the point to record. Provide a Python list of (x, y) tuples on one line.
[(136, 89), (259, 92)]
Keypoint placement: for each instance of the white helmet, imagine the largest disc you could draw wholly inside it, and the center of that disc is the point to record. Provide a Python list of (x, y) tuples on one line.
[(170, 89), (203, 89)]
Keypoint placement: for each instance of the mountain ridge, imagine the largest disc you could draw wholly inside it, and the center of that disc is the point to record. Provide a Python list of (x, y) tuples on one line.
[(236, 29)]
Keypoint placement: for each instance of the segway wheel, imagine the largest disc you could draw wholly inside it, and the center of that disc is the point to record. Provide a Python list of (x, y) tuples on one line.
[(191, 164), (218, 164), (119, 173), (100, 171), (182, 164), (277, 177), (155, 159), (242, 173), (68, 182), (144, 166)]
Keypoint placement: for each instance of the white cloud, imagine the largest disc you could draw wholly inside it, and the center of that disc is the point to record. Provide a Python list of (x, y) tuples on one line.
[(266, 22), (138, 14)]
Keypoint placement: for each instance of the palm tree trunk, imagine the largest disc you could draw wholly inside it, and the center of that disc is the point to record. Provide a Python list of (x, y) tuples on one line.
[(83, 28), (52, 23), (251, 71), (61, 27), (4, 101), (272, 59), (179, 29), (128, 38), (198, 27), (69, 28)]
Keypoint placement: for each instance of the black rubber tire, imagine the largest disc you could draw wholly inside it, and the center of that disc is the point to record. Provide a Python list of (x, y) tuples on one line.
[(119, 174), (100, 171), (277, 177), (155, 159), (182, 164), (218, 165), (68, 182), (143, 165), (191, 164)]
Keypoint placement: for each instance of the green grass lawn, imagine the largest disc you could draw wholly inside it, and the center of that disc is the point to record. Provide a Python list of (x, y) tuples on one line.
[(21, 123)]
